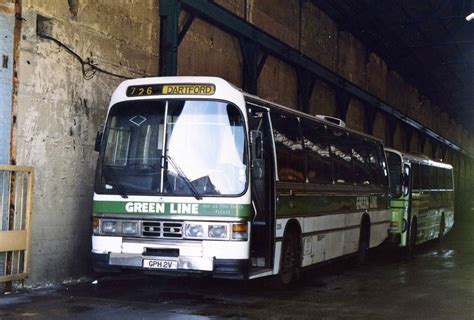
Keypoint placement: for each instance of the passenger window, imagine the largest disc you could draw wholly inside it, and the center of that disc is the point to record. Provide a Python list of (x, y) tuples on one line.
[(315, 137), (425, 177), (374, 165), (416, 176), (434, 177), (360, 159), (341, 154), (449, 179), (442, 178), (289, 148)]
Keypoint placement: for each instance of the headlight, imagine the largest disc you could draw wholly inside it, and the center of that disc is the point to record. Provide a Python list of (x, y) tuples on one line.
[(129, 228), (194, 231), (218, 231), (109, 227), (239, 231)]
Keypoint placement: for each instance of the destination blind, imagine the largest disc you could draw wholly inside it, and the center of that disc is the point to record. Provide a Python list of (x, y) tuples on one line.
[(170, 89)]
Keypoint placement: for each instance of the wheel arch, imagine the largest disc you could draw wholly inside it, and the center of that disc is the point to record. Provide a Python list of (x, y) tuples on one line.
[(294, 226)]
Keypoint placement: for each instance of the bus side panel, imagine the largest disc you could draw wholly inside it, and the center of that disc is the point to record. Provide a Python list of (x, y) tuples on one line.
[(333, 231)]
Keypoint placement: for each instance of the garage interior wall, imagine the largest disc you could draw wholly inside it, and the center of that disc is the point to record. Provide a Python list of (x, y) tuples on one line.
[(60, 105), (59, 112)]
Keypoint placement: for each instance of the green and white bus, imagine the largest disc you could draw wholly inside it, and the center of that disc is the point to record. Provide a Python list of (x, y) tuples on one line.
[(422, 201), (196, 176)]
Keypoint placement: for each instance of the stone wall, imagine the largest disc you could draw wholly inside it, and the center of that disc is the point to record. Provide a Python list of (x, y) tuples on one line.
[(59, 113)]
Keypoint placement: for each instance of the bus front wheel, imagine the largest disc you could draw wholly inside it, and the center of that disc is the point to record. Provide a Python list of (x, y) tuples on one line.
[(289, 266)]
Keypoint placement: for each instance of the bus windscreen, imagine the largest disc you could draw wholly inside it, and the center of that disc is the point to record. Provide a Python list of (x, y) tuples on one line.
[(173, 147)]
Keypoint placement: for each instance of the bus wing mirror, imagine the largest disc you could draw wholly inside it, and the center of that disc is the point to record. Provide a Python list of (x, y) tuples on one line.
[(98, 138)]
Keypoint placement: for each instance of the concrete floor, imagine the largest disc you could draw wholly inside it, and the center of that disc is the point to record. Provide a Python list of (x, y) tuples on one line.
[(437, 283)]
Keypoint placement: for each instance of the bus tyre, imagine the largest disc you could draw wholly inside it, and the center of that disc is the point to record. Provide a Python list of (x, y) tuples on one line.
[(364, 245), (442, 226), (289, 265), (412, 239)]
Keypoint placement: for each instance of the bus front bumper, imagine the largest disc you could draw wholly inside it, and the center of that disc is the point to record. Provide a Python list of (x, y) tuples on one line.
[(171, 257), (220, 268), (139, 261)]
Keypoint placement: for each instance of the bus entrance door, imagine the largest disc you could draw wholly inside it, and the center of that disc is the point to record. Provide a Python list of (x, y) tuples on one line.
[(263, 229)]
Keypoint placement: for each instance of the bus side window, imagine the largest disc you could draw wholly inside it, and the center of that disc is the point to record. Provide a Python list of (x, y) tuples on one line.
[(450, 179), (289, 147), (434, 184), (425, 177), (315, 137), (444, 178), (359, 158), (416, 176), (341, 154), (374, 165)]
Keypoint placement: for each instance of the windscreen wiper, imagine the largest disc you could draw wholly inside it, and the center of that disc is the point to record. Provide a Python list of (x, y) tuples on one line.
[(111, 174), (184, 177)]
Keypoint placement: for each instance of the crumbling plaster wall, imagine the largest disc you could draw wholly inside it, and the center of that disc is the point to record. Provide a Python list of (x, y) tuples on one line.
[(59, 113)]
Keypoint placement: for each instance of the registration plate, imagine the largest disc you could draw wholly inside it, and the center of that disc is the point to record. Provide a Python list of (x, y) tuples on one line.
[(160, 264)]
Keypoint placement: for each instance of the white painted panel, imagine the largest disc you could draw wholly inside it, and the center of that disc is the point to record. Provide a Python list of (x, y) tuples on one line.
[(320, 223), (319, 244), (226, 249), (353, 219), (334, 245), (351, 240), (378, 233), (280, 227), (379, 216), (102, 244), (307, 260), (184, 249)]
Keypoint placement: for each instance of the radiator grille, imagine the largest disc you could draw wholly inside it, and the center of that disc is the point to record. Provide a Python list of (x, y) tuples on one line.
[(162, 229)]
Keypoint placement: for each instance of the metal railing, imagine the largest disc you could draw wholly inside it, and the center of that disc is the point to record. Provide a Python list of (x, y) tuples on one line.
[(16, 198)]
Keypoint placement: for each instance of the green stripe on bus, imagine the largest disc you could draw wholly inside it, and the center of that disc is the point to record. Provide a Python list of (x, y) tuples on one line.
[(288, 206), (162, 208)]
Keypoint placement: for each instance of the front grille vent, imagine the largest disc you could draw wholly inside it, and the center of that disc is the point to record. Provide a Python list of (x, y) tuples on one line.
[(162, 229)]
